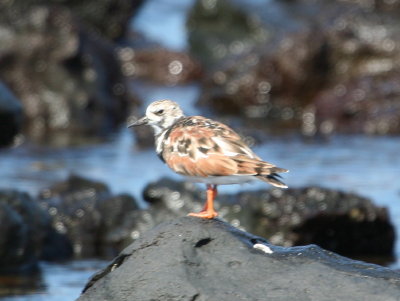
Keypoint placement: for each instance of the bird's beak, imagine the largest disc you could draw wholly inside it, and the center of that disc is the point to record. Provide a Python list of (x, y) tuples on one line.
[(142, 121)]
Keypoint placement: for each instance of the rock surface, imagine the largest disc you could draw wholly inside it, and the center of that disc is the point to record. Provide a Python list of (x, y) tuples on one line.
[(91, 13), (90, 219), (10, 115), (342, 222), (318, 67), (68, 78), (159, 65), (194, 259), (23, 227)]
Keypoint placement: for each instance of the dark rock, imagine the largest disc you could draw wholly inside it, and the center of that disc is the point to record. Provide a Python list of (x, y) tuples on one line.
[(341, 222), (222, 29), (159, 65), (91, 13), (320, 67), (69, 80), (263, 88), (195, 259), (91, 219), (115, 229), (10, 116), (172, 198), (367, 105), (167, 200), (23, 229)]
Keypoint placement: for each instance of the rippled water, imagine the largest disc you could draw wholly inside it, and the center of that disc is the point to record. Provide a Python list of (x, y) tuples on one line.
[(369, 166)]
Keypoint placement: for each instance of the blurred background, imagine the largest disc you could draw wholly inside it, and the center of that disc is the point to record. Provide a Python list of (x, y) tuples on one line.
[(311, 85)]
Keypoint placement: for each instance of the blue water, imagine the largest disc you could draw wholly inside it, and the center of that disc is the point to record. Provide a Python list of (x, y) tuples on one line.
[(63, 282), (369, 166)]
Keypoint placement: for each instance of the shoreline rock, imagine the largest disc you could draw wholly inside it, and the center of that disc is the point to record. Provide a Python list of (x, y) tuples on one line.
[(195, 259), (67, 77), (338, 221), (312, 67), (91, 220)]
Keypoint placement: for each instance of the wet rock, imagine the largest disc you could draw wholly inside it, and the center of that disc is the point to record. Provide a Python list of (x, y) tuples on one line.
[(68, 79), (159, 65), (314, 70), (91, 13), (263, 88), (89, 216), (170, 199), (195, 259), (10, 115), (220, 29), (167, 200), (341, 222), (23, 229), (117, 13), (367, 105), (256, 80)]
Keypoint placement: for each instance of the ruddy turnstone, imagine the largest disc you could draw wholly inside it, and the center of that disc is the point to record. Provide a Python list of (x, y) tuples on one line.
[(205, 151)]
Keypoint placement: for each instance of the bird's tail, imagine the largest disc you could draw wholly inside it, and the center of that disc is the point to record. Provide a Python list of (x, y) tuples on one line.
[(273, 177)]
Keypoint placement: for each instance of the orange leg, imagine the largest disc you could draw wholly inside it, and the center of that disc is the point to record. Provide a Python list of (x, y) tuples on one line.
[(208, 210)]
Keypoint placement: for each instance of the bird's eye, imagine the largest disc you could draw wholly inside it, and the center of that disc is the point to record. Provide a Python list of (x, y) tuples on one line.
[(159, 112)]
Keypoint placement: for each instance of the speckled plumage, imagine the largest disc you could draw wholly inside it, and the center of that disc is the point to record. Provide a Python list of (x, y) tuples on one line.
[(205, 150)]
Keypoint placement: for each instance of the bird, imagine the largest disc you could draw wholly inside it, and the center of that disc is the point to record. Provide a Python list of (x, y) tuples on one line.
[(205, 151)]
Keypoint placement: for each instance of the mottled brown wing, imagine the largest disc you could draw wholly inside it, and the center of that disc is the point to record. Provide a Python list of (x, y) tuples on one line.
[(202, 147)]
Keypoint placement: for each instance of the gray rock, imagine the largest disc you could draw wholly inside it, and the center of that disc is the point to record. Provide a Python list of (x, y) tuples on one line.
[(195, 259)]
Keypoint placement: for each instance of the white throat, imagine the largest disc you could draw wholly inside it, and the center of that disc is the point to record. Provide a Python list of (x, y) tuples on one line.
[(157, 129), (159, 141)]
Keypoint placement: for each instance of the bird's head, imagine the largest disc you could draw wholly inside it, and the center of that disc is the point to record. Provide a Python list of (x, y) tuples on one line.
[(161, 115)]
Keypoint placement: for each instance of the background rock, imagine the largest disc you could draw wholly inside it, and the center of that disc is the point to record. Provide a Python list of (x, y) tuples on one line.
[(316, 66), (195, 259), (68, 79), (159, 65), (92, 13), (10, 115), (341, 222), (345, 223), (23, 226), (87, 214)]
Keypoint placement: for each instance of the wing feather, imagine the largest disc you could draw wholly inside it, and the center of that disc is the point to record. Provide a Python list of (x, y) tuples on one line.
[(197, 146)]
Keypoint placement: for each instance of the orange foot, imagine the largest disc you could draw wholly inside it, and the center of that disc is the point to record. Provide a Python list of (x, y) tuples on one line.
[(208, 210), (204, 214)]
